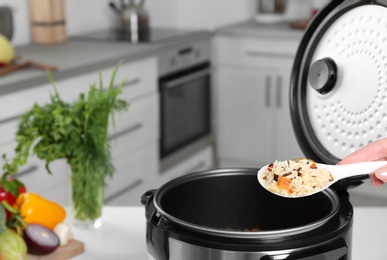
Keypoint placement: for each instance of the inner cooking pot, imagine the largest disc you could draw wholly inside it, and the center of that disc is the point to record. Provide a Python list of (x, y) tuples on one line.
[(230, 202)]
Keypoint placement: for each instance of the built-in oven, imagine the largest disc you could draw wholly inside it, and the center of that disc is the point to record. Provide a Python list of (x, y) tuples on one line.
[(185, 108), (185, 98)]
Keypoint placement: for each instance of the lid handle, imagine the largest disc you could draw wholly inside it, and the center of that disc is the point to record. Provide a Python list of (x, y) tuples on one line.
[(322, 75)]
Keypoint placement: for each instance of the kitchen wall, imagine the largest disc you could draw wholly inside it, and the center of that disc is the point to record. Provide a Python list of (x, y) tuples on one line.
[(210, 14), (87, 15)]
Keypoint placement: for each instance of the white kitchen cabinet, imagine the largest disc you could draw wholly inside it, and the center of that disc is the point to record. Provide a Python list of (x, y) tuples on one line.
[(252, 78), (200, 161), (136, 173), (240, 128), (286, 144), (133, 137), (135, 152), (136, 127)]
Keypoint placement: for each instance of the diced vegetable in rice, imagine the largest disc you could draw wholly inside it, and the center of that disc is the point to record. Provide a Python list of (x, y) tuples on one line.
[(295, 178)]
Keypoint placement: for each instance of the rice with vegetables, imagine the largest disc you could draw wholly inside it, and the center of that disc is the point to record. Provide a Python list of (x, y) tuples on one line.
[(295, 178)]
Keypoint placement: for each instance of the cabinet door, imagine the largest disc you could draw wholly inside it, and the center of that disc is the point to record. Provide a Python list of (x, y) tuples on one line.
[(136, 172), (245, 114), (285, 142), (200, 161)]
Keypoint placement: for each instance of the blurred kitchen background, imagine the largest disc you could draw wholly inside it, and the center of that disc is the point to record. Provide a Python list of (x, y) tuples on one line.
[(234, 28)]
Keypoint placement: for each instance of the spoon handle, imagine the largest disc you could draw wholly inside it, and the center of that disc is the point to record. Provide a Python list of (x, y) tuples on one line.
[(349, 170)]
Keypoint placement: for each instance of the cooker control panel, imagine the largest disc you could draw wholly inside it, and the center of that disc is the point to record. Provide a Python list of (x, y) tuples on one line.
[(184, 56)]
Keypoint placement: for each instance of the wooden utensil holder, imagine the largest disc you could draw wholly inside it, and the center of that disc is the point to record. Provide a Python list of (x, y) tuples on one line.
[(48, 21)]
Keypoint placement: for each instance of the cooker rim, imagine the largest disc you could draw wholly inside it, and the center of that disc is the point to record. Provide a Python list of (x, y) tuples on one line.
[(270, 234)]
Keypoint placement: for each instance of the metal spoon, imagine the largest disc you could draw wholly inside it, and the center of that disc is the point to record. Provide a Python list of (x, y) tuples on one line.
[(338, 172)]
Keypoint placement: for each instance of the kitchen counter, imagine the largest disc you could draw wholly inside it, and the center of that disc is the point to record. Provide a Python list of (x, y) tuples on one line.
[(122, 235), (76, 57), (72, 59), (255, 29)]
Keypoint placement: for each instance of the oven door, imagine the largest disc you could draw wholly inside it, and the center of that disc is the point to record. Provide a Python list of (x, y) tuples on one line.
[(185, 108)]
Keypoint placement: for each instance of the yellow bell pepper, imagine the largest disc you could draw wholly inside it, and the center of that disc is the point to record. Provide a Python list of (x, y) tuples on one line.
[(35, 209)]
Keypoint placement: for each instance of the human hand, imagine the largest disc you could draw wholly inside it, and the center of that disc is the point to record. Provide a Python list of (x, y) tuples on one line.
[(375, 151)]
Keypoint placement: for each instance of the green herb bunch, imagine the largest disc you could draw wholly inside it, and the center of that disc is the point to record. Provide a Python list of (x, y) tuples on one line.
[(77, 132)]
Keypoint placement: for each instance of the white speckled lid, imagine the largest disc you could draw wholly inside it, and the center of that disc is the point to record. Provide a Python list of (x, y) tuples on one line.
[(339, 81)]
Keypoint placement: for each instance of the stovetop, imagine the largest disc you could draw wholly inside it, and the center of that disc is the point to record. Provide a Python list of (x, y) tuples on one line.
[(153, 35)]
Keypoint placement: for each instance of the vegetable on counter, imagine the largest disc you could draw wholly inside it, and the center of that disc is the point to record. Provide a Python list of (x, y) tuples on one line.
[(37, 210), (7, 51), (12, 246), (40, 240), (8, 196), (10, 188), (62, 230)]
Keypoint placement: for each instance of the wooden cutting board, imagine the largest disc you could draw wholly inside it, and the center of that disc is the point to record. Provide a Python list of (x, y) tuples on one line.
[(20, 63), (10, 68), (73, 248)]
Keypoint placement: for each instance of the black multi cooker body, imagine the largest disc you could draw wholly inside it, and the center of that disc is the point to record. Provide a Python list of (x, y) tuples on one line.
[(337, 100), (225, 214)]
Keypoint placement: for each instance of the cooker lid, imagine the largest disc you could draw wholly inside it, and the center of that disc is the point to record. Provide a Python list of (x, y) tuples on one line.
[(339, 80)]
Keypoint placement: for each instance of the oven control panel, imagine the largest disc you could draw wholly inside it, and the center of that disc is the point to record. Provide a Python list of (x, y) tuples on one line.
[(184, 56)]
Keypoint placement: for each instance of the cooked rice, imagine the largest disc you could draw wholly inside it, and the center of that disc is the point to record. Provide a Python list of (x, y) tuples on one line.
[(302, 178)]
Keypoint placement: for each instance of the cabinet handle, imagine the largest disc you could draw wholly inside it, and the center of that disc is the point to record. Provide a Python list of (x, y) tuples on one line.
[(126, 131), (131, 82), (196, 167), (8, 119), (267, 91), (30, 169), (128, 188), (279, 92), (185, 51)]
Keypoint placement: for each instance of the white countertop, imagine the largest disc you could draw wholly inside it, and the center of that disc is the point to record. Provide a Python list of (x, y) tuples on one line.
[(122, 235)]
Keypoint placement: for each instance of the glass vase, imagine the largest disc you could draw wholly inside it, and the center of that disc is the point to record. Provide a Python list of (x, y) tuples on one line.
[(86, 203)]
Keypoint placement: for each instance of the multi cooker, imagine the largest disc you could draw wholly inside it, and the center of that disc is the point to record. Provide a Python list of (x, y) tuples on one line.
[(225, 214), (337, 102)]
